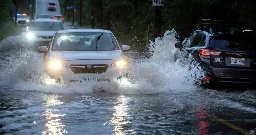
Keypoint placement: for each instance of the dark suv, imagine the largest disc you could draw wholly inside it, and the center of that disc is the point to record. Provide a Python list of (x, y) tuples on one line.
[(226, 51), (52, 6)]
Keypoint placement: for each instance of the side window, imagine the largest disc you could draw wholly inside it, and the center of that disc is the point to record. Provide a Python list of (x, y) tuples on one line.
[(199, 40), (187, 42)]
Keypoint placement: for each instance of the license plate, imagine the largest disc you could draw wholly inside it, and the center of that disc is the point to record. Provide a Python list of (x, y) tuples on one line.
[(238, 61), (96, 80)]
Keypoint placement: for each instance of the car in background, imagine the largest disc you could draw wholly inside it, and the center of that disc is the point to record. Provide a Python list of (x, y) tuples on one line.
[(52, 6), (225, 50), (41, 31), (22, 19), (58, 17), (85, 55)]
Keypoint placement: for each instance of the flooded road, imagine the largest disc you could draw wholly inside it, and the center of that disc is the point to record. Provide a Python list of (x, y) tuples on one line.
[(199, 112), (164, 99)]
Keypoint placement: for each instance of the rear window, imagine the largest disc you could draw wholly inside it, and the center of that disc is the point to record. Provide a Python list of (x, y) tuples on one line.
[(52, 4), (233, 43)]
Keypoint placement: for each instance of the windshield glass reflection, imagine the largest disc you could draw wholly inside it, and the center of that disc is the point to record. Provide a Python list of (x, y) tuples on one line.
[(45, 26), (84, 41)]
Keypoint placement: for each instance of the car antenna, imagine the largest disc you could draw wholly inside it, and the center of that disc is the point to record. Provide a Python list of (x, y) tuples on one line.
[(98, 38)]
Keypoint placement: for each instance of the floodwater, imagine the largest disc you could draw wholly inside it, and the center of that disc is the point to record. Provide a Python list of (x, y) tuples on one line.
[(162, 100)]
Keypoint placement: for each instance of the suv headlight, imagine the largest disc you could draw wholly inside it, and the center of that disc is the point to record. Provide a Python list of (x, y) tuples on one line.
[(30, 35), (55, 64), (120, 63)]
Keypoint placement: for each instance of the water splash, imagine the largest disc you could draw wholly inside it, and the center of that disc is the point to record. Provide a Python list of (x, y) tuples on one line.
[(161, 73), (22, 69)]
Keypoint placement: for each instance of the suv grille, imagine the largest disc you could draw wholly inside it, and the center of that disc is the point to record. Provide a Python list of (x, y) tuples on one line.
[(99, 68)]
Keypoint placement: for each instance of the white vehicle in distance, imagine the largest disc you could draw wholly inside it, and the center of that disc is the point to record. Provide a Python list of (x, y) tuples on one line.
[(41, 31), (85, 55), (22, 21)]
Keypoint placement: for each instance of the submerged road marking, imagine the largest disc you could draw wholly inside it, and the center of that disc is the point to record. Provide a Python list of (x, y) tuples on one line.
[(231, 125)]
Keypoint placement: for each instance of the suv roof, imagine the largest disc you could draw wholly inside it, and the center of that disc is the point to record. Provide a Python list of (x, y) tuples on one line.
[(84, 30), (220, 27)]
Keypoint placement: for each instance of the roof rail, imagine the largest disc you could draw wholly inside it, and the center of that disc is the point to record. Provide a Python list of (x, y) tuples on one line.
[(224, 26)]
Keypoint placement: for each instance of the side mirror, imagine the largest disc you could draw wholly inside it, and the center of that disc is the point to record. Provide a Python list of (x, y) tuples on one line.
[(42, 49), (178, 45), (125, 48)]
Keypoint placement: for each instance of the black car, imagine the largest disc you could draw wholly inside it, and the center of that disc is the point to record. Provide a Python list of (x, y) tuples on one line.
[(226, 51), (52, 6)]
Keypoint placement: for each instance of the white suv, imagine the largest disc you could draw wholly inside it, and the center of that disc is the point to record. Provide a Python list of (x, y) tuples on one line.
[(41, 31), (85, 55)]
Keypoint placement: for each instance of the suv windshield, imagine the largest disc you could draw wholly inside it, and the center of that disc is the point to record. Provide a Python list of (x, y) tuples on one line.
[(233, 42), (84, 41), (45, 26), (22, 16)]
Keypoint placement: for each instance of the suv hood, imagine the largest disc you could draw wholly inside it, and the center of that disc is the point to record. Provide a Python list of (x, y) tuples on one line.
[(43, 33)]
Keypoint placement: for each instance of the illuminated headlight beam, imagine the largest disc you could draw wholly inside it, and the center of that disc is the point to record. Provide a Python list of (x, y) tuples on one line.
[(55, 64), (30, 35), (120, 64)]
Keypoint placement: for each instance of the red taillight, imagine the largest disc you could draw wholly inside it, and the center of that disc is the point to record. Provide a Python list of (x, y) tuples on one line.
[(207, 79), (207, 52), (55, 6)]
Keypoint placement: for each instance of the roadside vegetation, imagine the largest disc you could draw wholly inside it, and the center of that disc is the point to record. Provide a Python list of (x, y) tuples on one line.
[(7, 25), (132, 21)]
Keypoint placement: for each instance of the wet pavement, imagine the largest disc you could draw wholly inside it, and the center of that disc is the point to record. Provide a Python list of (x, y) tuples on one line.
[(203, 112), (164, 100)]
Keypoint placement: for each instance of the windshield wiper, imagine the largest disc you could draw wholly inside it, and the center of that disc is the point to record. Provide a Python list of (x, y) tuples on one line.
[(51, 26), (98, 38)]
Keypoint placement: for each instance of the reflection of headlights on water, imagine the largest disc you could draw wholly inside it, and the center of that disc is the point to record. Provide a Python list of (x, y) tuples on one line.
[(120, 64), (54, 64), (30, 36)]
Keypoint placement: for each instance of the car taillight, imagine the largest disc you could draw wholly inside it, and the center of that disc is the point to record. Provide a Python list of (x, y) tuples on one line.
[(208, 52)]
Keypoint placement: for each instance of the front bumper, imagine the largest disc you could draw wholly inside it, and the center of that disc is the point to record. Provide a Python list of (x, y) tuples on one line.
[(67, 75)]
